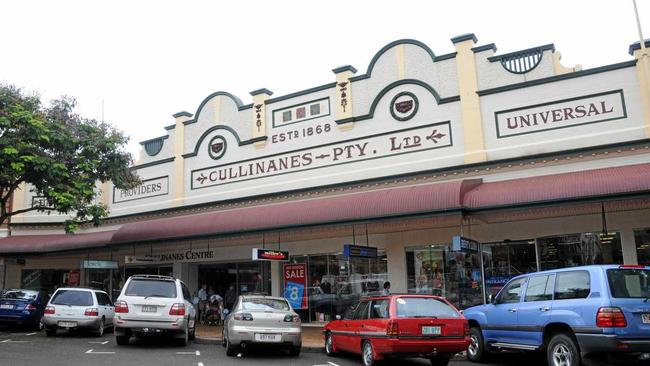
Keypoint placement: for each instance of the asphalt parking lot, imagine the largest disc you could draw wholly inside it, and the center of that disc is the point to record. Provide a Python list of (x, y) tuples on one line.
[(19, 348)]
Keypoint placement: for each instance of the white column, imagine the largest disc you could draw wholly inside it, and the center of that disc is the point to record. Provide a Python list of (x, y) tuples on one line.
[(629, 246), (276, 279), (396, 258)]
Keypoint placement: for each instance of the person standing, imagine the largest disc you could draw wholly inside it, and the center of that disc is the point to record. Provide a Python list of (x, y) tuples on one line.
[(386, 290), (203, 300), (230, 297)]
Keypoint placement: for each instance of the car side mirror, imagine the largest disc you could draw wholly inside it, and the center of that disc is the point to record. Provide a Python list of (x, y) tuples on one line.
[(338, 317), (492, 299)]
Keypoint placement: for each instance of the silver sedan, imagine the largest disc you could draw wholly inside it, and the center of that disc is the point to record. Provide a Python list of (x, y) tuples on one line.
[(262, 320)]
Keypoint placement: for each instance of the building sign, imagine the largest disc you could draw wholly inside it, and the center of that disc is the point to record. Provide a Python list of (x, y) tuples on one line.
[(149, 188), (429, 137), (88, 264), (131, 259), (357, 251), (182, 256), (260, 254), (217, 147), (295, 283), (461, 244), (572, 112)]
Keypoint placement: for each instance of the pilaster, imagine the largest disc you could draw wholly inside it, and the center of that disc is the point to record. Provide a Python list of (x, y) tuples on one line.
[(178, 187), (343, 99), (469, 101), (642, 55), (260, 96)]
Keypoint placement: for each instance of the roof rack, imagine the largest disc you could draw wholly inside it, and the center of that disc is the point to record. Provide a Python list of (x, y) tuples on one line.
[(152, 277)]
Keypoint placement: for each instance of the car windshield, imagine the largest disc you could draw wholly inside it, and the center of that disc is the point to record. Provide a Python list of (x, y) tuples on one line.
[(72, 297), (629, 282), (265, 304), (151, 288), (424, 307), (18, 295)]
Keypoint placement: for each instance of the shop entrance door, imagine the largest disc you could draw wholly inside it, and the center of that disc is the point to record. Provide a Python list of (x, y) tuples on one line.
[(230, 280)]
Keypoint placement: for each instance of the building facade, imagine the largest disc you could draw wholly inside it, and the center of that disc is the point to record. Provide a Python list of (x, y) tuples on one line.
[(444, 174)]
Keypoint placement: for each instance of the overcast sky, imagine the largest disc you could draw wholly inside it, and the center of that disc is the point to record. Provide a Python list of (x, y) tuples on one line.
[(150, 59)]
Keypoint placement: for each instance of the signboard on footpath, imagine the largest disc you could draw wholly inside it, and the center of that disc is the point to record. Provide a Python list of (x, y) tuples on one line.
[(295, 284)]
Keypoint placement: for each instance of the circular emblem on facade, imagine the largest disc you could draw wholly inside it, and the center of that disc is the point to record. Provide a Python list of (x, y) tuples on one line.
[(217, 147), (404, 106)]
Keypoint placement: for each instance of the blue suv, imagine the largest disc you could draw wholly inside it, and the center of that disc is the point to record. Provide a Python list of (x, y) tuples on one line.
[(570, 314)]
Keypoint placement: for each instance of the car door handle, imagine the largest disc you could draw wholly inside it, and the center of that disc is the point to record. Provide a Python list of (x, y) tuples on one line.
[(512, 310), (544, 308)]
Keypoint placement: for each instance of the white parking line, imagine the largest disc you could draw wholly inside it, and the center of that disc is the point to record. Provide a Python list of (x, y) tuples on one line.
[(31, 334), (200, 364), (95, 342), (196, 353), (91, 352), (10, 341)]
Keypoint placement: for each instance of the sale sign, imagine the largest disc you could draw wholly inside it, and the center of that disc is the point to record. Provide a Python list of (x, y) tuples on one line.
[(295, 283)]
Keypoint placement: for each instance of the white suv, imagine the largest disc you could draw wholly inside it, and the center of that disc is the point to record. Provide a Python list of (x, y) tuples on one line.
[(78, 308), (152, 305)]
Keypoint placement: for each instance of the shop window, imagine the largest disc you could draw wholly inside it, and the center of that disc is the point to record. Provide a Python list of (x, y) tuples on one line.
[(642, 241), (335, 283), (436, 270), (505, 260), (583, 249)]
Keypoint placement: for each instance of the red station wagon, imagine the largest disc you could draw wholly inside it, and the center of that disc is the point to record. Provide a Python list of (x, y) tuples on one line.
[(399, 326)]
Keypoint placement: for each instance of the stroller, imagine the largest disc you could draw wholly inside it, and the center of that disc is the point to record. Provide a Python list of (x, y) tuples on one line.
[(213, 310)]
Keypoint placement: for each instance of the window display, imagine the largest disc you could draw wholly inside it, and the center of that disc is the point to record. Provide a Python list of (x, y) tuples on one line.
[(335, 282), (436, 270), (580, 250), (642, 241)]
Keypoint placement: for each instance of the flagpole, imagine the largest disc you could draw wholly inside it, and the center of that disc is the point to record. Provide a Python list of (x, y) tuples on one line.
[(638, 26)]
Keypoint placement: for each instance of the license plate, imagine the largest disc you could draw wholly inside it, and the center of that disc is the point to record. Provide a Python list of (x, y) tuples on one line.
[(427, 330), (149, 309), (645, 318), (6, 306), (67, 324), (268, 337)]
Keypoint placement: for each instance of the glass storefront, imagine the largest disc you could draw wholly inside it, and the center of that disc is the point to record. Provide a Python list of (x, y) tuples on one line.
[(48, 280), (580, 250), (335, 282), (504, 260), (435, 269), (642, 241), (244, 277)]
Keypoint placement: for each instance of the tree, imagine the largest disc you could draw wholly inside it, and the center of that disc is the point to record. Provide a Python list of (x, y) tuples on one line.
[(61, 155)]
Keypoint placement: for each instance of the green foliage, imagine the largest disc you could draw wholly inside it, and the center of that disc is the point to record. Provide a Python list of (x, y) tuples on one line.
[(60, 154)]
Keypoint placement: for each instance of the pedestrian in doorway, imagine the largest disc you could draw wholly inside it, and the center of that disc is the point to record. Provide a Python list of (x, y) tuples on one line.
[(230, 297), (203, 300), (386, 290)]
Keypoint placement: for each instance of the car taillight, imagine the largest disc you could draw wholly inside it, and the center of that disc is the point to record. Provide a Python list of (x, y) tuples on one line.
[(121, 307), (610, 317), (91, 312), (244, 316), (393, 329), (292, 318), (30, 307), (49, 310), (177, 309)]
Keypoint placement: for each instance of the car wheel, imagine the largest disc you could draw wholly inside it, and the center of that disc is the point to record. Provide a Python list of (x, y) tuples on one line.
[(50, 332), (230, 349), (562, 351), (294, 351), (122, 340), (440, 360), (367, 354), (476, 351), (99, 332), (186, 337), (330, 349)]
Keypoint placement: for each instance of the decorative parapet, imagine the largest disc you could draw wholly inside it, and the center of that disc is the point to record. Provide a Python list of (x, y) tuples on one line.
[(153, 146), (521, 62)]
